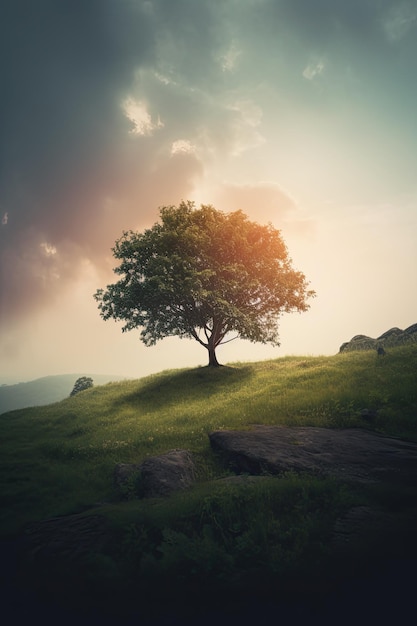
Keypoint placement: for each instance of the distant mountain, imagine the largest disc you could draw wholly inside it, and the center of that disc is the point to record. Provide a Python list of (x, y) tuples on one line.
[(45, 390), (391, 338)]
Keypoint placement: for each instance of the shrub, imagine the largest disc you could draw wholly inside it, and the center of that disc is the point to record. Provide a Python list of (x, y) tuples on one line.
[(81, 384)]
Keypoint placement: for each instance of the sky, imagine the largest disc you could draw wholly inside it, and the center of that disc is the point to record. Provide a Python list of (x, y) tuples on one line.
[(301, 113)]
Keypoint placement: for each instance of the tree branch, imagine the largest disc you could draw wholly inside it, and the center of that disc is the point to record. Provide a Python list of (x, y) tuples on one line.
[(228, 340)]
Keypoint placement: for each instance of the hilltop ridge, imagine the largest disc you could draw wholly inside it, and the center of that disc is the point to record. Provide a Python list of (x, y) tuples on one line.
[(391, 338)]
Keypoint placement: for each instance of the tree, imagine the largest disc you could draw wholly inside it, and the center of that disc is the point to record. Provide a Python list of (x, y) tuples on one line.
[(203, 274), (82, 383)]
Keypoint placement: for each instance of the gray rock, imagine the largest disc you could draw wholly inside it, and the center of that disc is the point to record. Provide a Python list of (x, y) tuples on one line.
[(369, 414), (162, 475), (123, 473), (157, 476), (69, 536), (346, 453), (391, 338), (411, 330), (390, 334), (359, 342), (361, 523)]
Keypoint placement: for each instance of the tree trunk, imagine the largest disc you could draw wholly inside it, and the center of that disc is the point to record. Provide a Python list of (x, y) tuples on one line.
[(213, 341), (213, 362)]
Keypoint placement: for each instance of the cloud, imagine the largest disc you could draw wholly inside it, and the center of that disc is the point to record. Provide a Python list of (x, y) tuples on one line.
[(137, 113), (73, 174), (229, 59), (323, 21), (267, 202), (182, 146), (247, 117), (399, 20), (262, 201), (314, 68)]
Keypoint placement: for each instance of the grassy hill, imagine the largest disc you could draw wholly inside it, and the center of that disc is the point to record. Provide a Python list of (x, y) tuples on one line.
[(59, 459)]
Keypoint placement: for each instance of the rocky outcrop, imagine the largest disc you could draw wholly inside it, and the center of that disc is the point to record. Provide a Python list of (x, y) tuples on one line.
[(391, 338), (70, 537), (361, 522), (352, 454), (157, 476)]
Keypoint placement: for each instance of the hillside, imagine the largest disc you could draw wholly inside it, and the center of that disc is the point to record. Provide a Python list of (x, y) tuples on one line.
[(86, 435), (88, 540), (44, 390)]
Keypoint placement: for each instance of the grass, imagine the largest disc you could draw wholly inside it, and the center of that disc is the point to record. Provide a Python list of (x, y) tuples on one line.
[(59, 459)]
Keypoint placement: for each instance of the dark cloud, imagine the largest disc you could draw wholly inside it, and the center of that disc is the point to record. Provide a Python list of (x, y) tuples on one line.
[(188, 33), (322, 21), (72, 176), (366, 36)]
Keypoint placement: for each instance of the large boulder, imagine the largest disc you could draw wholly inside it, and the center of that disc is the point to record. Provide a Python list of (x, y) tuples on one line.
[(359, 342), (391, 338), (161, 475), (346, 453), (157, 476)]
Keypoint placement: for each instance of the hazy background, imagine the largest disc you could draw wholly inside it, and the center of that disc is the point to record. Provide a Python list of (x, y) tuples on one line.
[(300, 113)]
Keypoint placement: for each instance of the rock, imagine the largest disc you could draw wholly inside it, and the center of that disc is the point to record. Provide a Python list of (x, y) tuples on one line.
[(123, 473), (157, 476), (411, 330), (70, 537), (162, 475), (391, 338), (359, 342), (360, 522), (353, 454), (390, 334), (369, 415)]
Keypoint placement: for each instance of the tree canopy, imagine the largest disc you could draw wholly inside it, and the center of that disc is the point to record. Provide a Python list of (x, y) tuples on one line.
[(203, 274), (85, 382)]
